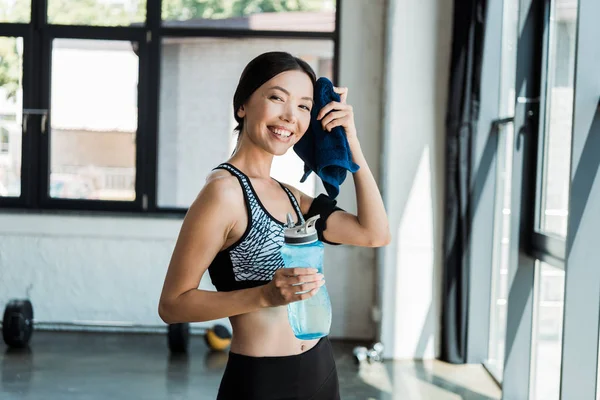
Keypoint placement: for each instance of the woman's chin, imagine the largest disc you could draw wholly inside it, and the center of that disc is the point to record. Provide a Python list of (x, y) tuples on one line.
[(279, 151)]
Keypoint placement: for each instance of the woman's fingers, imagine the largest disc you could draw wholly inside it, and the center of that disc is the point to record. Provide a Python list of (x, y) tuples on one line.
[(332, 116), (343, 92), (337, 122), (307, 287), (334, 105), (296, 271), (295, 276)]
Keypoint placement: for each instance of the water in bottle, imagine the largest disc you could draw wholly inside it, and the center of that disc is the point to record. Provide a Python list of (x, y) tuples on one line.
[(309, 318)]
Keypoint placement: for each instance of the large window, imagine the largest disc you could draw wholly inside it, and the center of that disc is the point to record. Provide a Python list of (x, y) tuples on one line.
[(125, 105), (534, 187)]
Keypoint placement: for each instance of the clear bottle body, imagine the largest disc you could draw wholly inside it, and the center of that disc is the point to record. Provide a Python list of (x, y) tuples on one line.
[(310, 318)]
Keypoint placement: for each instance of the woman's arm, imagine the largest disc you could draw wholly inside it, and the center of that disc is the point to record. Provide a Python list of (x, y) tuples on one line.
[(204, 232), (370, 227)]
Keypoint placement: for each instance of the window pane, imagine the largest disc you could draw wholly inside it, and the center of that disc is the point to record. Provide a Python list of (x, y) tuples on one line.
[(559, 115), (93, 119), (286, 15), (198, 79), (500, 261), (11, 114), (14, 11), (547, 332), (96, 12)]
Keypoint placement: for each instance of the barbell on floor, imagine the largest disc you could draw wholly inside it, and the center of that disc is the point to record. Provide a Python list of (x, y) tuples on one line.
[(18, 323)]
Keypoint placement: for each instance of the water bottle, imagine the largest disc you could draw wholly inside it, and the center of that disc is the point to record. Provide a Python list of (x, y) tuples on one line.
[(309, 318)]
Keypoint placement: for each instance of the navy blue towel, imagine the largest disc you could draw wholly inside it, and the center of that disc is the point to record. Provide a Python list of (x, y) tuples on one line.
[(325, 153)]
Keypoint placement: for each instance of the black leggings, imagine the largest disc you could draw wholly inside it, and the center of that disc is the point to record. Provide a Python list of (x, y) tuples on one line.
[(308, 376)]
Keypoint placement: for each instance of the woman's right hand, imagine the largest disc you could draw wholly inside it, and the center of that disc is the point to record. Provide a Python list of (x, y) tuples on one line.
[(287, 282)]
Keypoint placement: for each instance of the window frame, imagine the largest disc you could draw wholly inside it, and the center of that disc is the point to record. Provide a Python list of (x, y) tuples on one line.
[(38, 36)]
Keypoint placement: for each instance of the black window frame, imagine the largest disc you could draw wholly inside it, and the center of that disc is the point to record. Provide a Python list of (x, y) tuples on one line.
[(38, 36)]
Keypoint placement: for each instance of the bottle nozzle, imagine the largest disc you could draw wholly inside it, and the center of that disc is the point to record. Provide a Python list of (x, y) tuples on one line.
[(290, 220)]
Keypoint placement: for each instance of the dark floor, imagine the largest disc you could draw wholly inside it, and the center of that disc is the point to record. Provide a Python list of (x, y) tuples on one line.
[(61, 365)]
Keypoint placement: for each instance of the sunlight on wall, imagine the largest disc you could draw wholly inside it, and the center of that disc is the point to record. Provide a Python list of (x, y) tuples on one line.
[(414, 324)]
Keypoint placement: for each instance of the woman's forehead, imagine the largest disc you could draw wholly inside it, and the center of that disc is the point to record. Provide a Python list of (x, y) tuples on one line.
[(297, 83)]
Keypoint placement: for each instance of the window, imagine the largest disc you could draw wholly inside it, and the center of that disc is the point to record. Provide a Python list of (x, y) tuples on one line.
[(549, 302), (11, 100), (15, 11), (295, 15), (97, 12), (558, 118), (127, 111), (94, 120)]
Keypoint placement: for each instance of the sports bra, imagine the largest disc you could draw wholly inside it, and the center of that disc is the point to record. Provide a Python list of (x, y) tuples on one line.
[(253, 259)]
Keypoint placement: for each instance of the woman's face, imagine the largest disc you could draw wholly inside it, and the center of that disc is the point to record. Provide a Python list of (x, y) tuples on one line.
[(277, 114)]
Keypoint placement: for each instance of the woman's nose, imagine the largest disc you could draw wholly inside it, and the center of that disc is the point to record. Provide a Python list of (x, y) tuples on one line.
[(289, 115)]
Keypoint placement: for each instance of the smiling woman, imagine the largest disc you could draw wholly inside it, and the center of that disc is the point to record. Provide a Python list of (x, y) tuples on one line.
[(234, 229), (276, 112)]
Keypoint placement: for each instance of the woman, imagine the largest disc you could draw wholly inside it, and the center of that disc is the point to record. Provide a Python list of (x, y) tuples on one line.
[(235, 226)]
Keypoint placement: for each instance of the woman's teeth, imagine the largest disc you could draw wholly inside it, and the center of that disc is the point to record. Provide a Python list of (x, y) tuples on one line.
[(281, 132)]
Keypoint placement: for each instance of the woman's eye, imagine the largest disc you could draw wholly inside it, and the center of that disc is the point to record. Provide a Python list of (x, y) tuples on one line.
[(307, 108), (275, 98)]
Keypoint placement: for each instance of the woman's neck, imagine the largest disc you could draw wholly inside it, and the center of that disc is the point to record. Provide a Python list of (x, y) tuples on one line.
[(253, 161)]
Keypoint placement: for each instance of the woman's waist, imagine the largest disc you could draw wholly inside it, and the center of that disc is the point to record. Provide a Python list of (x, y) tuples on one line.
[(266, 333)]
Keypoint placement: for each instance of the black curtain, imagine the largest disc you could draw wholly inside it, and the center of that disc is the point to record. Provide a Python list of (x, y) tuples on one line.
[(461, 123)]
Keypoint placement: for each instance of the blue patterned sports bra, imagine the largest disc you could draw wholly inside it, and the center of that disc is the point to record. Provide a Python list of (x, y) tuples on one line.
[(253, 259)]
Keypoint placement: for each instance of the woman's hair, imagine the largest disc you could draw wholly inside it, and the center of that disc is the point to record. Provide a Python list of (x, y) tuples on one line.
[(260, 70)]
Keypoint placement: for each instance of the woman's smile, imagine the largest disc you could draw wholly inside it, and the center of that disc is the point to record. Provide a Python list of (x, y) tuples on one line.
[(281, 133)]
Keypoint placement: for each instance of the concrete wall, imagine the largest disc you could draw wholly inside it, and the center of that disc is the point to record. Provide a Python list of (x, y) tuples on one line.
[(417, 62), (111, 268)]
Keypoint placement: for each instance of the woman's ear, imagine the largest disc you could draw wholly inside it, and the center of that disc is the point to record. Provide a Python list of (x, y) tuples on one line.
[(241, 112)]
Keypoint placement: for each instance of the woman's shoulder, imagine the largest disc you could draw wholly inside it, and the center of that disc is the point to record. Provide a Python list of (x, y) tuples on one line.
[(221, 190), (221, 185)]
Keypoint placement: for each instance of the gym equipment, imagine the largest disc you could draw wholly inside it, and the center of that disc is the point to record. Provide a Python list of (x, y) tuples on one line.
[(17, 324), (372, 355), (360, 354), (179, 337), (217, 338)]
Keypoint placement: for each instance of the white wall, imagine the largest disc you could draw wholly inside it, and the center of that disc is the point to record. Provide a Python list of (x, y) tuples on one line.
[(417, 62), (101, 268)]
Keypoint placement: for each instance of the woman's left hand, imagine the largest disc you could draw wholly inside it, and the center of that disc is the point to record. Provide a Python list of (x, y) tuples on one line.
[(341, 114)]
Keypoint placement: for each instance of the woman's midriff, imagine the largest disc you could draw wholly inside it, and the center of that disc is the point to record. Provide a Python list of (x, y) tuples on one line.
[(266, 333)]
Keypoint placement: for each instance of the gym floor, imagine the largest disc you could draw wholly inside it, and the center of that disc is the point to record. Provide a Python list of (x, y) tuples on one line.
[(71, 365)]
